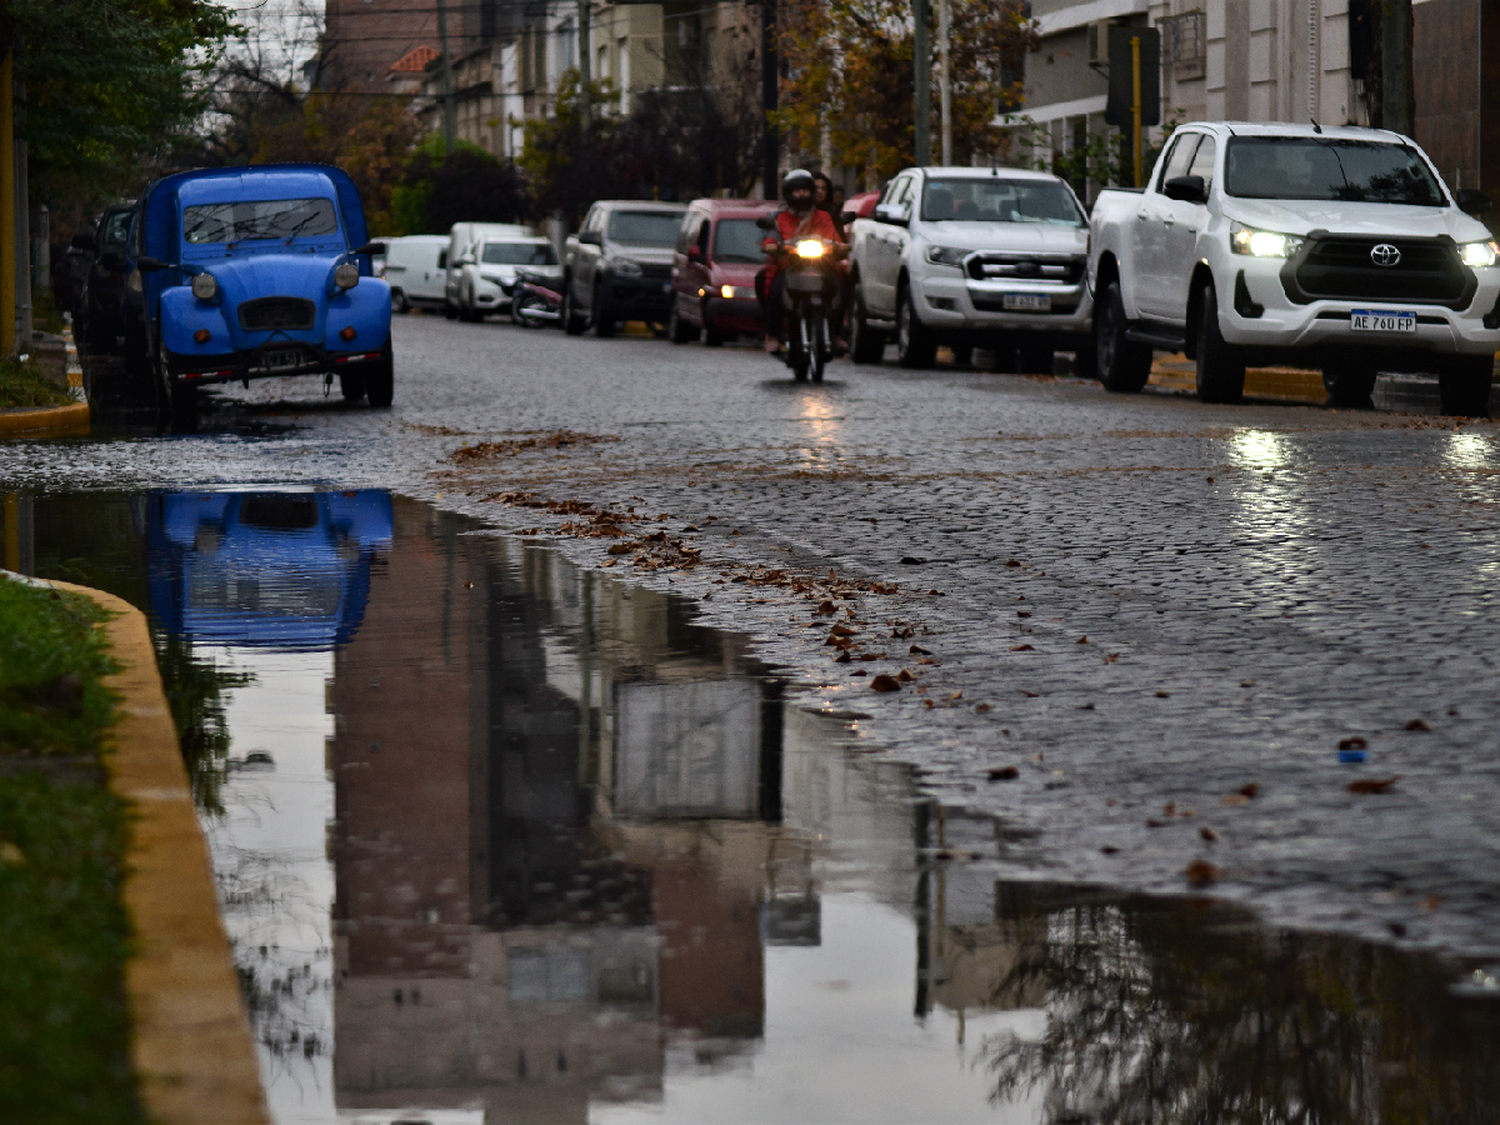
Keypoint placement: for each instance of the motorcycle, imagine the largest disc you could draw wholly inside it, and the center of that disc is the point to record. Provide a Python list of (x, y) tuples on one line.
[(534, 303), (805, 312)]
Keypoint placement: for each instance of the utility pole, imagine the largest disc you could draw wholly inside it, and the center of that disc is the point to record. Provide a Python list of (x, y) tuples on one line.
[(7, 204), (945, 78), (450, 116), (585, 95), (770, 82), (1135, 106), (1398, 111), (922, 58)]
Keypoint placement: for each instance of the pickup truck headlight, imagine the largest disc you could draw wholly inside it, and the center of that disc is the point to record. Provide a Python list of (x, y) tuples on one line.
[(206, 285), (1480, 253), (1263, 243), (946, 256), (624, 267), (346, 276)]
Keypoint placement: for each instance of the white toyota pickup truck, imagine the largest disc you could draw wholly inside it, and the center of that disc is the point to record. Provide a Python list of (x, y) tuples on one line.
[(986, 257), (1336, 249)]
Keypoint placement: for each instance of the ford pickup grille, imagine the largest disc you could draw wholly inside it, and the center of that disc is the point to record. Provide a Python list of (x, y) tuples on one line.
[(269, 314), (1026, 267), (662, 270), (1429, 272)]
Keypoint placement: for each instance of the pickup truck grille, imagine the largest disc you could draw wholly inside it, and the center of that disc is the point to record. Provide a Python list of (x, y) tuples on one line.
[(1430, 272), (269, 314), (661, 271), (1056, 269)]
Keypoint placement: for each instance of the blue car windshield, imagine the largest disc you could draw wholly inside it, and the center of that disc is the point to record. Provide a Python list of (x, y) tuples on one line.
[(259, 220)]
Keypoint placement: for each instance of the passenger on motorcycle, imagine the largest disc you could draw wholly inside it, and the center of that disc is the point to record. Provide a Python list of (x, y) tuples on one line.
[(801, 219)]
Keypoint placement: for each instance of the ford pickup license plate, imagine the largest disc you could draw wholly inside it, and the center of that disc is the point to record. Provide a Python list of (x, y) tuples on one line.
[(1026, 302), (1382, 320), (281, 360)]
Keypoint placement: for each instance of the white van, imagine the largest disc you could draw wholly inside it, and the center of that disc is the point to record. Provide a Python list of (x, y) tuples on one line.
[(416, 267), (463, 242)]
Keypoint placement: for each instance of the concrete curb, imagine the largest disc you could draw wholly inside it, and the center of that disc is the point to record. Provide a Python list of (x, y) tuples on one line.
[(51, 421), (192, 1049)]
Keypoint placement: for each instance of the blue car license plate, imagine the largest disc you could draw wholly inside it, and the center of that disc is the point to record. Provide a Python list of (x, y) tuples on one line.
[(282, 360)]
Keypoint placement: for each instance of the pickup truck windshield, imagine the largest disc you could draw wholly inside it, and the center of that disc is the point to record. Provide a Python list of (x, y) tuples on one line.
[(519, 254), (995, 200), (738, 240), (1328, 169), (259, 220), (649, 228)]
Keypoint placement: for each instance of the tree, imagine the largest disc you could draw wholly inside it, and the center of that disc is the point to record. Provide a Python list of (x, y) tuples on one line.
[(849, 73), (438, 189)]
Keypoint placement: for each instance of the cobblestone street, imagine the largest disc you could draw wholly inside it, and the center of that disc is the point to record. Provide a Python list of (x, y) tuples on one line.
[(1139, 628)]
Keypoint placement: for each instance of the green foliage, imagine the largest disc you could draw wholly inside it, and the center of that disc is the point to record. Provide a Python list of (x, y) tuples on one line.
[(26, 384), (438, 189), (51, 661), (108, 84), (195, 689)]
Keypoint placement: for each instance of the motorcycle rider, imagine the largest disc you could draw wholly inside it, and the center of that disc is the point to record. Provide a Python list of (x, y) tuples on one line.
[(802, 218)]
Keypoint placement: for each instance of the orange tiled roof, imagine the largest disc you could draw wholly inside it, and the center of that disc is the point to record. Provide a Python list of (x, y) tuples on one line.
[(414, 61)]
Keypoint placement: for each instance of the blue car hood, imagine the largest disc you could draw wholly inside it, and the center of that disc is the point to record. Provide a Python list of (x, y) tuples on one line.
[(272, 275)]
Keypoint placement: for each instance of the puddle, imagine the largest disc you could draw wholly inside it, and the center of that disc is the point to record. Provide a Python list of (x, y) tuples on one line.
[(500, 839)]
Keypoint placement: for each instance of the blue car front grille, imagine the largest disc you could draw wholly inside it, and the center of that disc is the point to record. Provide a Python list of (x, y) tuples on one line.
[(269, 314)]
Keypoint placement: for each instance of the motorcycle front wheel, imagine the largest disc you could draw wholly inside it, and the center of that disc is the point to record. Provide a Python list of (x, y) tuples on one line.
[(520, 311)]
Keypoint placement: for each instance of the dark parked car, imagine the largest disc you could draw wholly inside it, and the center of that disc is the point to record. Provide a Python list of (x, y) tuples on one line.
[(99, 316), (713, 271), (619, 266)]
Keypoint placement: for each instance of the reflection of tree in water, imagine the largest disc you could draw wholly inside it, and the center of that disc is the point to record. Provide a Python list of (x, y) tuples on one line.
[(1170, 1012), (195, 688)]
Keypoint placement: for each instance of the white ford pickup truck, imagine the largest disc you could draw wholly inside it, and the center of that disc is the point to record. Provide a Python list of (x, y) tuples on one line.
[(986, 257), (1336, 249)]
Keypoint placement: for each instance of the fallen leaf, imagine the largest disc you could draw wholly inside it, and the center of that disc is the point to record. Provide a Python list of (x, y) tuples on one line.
[(826, 609), (928, 660), (1164, 695), (1109, 849), (1417, 724), (841, 631), (956, 695), (1234, 799), (1082, 641), (1249, 790), (1372, 784), (1200, 873), (1030, 694), (1247, 683), (1432, 903), (1022, 613), (1152, 822), (619, 549), (1003, 773), (842, 658), (904, 676), (918, 650), (1355, 743), (937, 593), (883, 682), (1012, 562), (1022, 648), (468, 585), (928, 703), (1209, 479), (911, 560), (981, 708), (1208, 834), (1170, 809), (10, 854), (1111, 658)]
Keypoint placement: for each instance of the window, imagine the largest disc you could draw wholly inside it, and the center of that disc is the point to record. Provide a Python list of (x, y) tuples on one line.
[(1184, 44), (738, 240), (259, 221), (1203, 162), (518, 254), (648, 228), (703, 231), (1329, 169), (1179, 159), (116, 226), (995, 199)]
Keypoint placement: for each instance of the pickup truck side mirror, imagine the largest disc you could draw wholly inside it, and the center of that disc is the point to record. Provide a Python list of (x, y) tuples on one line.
[(591, 238), (886, 213), (1189, 189), (371, 248), (149, 265), (765, 222), (1472, 201), (694, 252), (83, 240), (112, 261)]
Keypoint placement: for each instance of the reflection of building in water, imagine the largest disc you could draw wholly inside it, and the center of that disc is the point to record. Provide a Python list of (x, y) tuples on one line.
[(555, 805)]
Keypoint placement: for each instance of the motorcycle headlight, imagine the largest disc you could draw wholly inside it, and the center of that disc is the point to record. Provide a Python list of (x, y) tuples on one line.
[(624, 267), (1263, 243), (946, 255), (1480, 253), (206, 286), (810, 248)]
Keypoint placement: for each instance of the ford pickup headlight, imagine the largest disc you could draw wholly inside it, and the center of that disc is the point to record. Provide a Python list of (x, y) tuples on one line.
[(346, 276), (946, 255), (1263, 243), (206, 285), (1480, 253), (624, 267)]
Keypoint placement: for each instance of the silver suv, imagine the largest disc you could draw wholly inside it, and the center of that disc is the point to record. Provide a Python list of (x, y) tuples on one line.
[(619, 265)]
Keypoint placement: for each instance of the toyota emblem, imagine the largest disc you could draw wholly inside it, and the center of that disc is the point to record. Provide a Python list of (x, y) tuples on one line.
[(1384, 254)]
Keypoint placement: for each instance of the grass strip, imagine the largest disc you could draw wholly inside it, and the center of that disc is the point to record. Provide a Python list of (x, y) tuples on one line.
[(64, 932), (26, 384)]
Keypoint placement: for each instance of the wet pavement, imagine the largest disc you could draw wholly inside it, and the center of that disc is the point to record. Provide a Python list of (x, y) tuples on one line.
[(503, 838)]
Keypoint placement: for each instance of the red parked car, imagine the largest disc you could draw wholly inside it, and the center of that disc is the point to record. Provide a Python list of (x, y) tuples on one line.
[(713, 271)]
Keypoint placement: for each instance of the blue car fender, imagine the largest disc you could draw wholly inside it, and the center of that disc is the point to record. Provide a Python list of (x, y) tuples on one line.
[(367, 309), (182, 315)]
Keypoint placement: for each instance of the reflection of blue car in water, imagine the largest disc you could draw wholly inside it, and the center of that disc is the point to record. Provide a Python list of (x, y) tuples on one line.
[(287, 570)]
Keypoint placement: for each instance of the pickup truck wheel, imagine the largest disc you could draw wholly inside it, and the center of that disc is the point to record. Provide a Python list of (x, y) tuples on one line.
[(915, 346), (678, 330), (866, 344), (602, 323), (573, 324), (1036, 359), (1221, 366), (1464, 388), (450, 311), (1349, 385), (380, 378), (1123, 366)]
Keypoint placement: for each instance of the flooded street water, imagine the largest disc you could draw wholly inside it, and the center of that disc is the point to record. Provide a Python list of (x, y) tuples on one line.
[(500, 839)]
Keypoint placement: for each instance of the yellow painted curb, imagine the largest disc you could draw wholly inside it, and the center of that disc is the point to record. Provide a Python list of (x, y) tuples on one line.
[(191, 1047), (57, 421), (1177, 372)]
